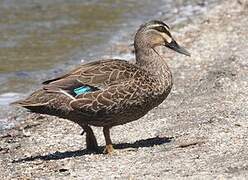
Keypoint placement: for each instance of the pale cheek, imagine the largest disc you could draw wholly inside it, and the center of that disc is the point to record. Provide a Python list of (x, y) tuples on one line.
[(167, 38), (157, 41)]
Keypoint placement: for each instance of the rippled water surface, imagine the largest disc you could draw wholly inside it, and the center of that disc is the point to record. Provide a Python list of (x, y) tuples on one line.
[(42, 38)]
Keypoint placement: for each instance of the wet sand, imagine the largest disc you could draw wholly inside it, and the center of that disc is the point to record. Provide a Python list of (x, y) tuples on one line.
[(200, 131)]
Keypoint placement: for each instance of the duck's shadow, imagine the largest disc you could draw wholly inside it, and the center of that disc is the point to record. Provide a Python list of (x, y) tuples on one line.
[(67, 154)]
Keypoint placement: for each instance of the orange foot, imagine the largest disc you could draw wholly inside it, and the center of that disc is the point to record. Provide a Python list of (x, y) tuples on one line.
[(108, 149)]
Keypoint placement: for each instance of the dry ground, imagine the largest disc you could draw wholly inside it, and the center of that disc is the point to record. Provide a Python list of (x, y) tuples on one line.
[(199, 132)]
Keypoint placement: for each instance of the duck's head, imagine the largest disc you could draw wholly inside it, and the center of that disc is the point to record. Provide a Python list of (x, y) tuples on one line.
[(156, 33)]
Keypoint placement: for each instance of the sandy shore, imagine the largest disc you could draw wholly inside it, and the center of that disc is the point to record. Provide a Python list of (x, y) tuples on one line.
[(200, 131)]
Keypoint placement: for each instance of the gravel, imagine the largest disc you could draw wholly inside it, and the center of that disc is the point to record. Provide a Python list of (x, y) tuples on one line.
[(199, 132)]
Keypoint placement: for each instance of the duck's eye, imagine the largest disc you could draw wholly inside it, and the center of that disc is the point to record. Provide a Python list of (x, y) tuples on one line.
[(162, 29)]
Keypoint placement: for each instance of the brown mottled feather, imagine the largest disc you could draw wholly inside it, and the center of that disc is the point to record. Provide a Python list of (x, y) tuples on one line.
[(119, 88)]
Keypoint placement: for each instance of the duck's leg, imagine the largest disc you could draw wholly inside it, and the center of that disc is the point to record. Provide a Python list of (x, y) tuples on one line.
[(91, 142), (109, 147)]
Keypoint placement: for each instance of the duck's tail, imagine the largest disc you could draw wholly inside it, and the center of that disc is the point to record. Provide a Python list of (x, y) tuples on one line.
[(19, 103), (31, 101), (45, 103), (26, 103)]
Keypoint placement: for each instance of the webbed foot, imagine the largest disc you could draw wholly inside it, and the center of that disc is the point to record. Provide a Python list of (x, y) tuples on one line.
[(109, 149)]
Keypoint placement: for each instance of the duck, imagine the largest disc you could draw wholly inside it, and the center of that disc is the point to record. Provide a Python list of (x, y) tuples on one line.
[(110, 92)]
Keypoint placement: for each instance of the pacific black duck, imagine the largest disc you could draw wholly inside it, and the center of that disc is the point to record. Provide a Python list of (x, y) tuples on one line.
[(111, 92)]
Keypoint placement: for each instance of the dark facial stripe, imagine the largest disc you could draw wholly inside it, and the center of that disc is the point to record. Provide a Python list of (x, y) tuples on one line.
[(159, 23), (162, 29)]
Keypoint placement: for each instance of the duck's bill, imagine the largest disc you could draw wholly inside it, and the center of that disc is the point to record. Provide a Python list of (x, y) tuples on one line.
[(174, 46)]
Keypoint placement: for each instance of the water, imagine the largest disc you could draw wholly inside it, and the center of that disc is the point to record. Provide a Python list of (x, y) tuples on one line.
[(42, 39)]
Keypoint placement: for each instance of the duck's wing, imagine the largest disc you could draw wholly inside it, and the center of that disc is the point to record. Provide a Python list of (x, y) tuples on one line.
[(97, 89), (120, 87), (128, 96), (92, 77)]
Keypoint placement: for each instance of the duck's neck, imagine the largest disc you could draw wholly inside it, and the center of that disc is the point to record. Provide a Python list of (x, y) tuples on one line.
[(150, 60)]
